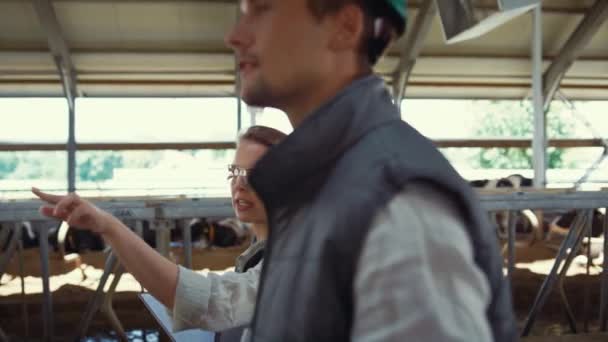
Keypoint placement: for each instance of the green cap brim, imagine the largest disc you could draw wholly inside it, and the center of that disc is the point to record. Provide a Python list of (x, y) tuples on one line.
[(399, 8)]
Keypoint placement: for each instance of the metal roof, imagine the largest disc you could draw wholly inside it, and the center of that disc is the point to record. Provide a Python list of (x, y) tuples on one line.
[(176, 48)]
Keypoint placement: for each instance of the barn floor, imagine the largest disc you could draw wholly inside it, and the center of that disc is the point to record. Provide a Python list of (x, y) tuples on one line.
[(71, 293)]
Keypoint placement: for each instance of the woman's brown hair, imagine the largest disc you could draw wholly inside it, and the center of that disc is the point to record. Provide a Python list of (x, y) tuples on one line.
[(262, 135)]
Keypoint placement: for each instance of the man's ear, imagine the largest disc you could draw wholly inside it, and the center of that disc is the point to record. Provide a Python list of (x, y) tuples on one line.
[(348, 28)]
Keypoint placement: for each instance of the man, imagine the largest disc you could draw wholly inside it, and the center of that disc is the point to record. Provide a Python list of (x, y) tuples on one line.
[(373, 236)]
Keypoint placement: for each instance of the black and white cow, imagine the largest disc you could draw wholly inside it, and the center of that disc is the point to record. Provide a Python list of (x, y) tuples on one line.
[(526, 221), (220, 233)]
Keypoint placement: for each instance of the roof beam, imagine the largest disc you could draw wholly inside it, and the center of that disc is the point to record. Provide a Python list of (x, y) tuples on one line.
[(67, 73), (440, 143), (58, 46), (573, 48), (119, 146), (412, 48)]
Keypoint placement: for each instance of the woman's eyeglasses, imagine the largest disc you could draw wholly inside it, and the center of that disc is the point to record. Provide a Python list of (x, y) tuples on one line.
[(234, 172)]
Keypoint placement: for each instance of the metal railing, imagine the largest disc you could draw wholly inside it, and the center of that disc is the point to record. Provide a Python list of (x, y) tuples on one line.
[(162, 211)]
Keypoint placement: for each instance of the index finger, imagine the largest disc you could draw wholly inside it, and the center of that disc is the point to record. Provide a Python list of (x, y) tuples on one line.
[(53, 199)]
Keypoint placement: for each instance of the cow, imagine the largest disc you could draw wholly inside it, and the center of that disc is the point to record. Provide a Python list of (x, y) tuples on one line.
[(526, 221)]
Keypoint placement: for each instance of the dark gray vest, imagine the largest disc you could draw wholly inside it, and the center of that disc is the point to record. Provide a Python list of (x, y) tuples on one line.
[(322, 187)]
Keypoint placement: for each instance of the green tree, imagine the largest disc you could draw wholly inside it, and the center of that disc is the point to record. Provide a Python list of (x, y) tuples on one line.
[(99, 166), (8, 164), (509, 119), (34, 165), (141, 159)]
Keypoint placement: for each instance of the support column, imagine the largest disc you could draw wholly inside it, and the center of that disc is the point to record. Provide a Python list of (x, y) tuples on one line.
[(539, 140)]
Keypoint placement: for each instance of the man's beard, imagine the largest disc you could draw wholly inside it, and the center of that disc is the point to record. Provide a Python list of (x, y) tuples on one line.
[(259, 94)]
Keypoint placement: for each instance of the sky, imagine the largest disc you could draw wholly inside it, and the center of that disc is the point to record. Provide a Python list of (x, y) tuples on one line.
[(43, 120), (207, 119)]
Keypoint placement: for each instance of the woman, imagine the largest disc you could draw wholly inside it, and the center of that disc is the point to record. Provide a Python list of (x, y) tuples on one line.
[(218, 302), (212, 301), (251, 146)]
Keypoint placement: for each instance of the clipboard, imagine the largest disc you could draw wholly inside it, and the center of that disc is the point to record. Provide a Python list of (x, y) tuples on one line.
[(159, 312)]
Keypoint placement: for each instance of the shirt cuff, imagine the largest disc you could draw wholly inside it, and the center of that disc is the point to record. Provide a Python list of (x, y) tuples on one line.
[(191, 299)]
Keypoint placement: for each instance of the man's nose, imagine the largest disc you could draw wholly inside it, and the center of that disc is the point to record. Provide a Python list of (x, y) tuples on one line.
[(239, 37)]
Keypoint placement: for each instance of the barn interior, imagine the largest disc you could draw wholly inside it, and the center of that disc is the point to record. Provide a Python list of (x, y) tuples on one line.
[(135, 104)]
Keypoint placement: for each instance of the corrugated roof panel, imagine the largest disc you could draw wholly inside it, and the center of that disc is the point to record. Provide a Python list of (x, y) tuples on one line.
[(19, 27), (177, 25), (163, 47)]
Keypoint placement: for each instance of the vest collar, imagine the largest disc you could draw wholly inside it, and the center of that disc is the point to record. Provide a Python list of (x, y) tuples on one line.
[(323, 136)]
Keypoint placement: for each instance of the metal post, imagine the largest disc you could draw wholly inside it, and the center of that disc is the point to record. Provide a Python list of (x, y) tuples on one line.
[(4, 234), (72, 150), (511, 245), (239, 105), (571, 240), (162, 230), (107, 308), (68, 78), (581, 233), (539, 140), (47, 303), (12, 246), (604, 289), (95, 301), (139, 230), (237, 83), (24, 315), (588, 278), (187, 232)]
